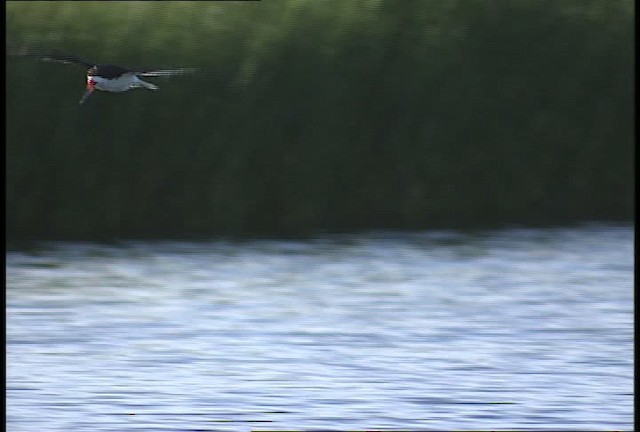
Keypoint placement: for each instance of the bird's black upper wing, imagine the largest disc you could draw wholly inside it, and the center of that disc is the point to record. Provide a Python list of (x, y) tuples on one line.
[(66, 60), (46, 55), (164, 72), (108, 71)]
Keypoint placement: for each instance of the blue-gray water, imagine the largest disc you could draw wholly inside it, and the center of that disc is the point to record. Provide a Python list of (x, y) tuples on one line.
[(517, 329)]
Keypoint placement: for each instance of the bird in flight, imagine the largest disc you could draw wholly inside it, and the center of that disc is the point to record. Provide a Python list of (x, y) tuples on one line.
[(113, 78)]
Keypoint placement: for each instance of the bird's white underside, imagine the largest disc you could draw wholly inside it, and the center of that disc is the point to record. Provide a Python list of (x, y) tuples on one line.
[(130, 80), (123, 83)]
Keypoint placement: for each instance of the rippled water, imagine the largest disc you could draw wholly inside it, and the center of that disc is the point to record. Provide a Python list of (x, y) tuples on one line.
[(518, 329)]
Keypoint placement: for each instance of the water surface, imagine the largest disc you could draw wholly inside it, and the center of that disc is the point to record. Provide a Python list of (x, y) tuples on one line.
[(512, 329)]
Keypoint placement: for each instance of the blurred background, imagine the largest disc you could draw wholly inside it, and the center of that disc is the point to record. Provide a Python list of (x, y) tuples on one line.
[(320, 116), (357, 215)]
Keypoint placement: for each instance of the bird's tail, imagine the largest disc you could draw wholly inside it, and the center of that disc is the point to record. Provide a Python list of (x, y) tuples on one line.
[(147, 85)]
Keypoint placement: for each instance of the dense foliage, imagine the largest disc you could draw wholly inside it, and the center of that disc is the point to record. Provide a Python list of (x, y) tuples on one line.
[(310, 116)]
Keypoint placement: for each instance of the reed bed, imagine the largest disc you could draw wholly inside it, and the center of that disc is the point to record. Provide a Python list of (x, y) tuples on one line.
[(321, 116)]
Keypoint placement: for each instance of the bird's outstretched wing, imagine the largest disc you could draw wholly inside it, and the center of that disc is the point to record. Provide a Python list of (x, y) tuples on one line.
[(45, 55), (66, 60), (165, 72)]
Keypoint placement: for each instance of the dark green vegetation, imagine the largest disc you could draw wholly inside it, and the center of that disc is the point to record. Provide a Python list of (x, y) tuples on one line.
[(314, 115)]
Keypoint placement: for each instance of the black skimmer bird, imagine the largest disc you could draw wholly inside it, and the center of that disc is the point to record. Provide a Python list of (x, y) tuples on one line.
[(115, 78)]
